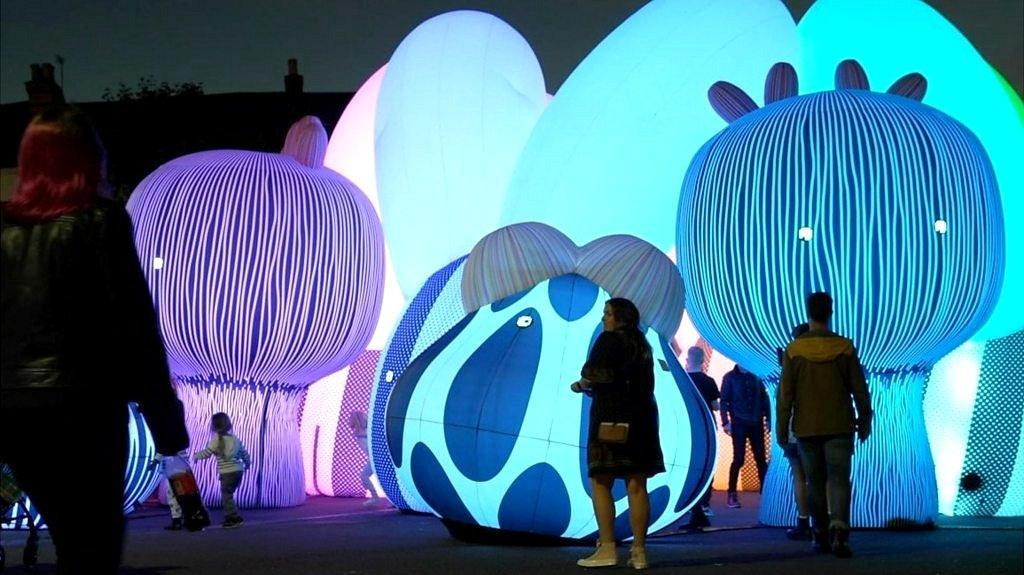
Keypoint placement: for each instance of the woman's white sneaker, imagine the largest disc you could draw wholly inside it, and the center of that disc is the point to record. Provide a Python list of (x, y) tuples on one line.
[(637, 558), (602, 557)]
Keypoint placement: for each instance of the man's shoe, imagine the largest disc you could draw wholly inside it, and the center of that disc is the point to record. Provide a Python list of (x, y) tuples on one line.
[(707, 510), (605, 556), (232, 522), (732, 501), (175, 524), (840, 539), (697, 522), (802, 531), (820, 541)]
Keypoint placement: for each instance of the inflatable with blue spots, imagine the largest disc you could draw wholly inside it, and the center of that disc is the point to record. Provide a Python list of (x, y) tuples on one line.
[(479, 425)]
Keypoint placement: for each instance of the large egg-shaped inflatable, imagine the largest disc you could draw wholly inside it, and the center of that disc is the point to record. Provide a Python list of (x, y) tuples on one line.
[(481, 427)]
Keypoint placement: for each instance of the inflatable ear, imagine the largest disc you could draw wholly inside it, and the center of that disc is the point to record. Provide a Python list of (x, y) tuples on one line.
[(626, 266), (911, 86), (850, 75), (781, 83), (306, 141), (730, 101), (512, 259)]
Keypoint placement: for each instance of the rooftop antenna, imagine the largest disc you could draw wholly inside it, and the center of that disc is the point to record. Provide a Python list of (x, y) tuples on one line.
[(60, 62)]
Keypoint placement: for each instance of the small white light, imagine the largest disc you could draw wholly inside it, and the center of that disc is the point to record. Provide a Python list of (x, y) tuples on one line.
[(524, 321), (940, 226), (805, 233), (158, 263), (389, 376)]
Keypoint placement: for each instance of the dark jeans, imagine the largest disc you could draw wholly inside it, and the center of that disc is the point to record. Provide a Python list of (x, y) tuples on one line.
[(705, 499), (742, 431), (229, 482), (826, 460), (697, 514), (71, 461)]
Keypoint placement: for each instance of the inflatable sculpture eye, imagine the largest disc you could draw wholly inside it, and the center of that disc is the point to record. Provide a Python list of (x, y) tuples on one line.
[(524, 321)]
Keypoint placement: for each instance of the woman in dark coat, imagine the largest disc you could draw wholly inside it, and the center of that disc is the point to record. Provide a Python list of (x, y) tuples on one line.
[(623, 439), (80, 340)]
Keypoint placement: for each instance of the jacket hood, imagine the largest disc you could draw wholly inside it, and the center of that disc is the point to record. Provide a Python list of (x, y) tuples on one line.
[(819, 346)]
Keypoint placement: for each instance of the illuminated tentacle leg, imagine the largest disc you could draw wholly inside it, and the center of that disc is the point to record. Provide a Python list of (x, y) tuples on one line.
[(266, 420), (893, 474), (777, 504), (893, 471)]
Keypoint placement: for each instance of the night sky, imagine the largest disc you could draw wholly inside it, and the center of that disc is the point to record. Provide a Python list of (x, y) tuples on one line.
[(243, 46)]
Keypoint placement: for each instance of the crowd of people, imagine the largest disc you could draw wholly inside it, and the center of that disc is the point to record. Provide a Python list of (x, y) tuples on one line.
[(822, 401), (81, 340)]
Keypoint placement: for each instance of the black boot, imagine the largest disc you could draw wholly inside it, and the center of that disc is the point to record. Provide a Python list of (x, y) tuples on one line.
[(840, 539), (802, 531), (820, 541), (698, 520), (175, 524)]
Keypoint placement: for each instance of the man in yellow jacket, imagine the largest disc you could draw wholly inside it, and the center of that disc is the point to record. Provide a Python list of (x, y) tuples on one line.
[(822, 382)]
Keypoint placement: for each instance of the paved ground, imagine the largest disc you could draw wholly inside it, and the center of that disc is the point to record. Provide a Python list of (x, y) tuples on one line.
[(341, 537)]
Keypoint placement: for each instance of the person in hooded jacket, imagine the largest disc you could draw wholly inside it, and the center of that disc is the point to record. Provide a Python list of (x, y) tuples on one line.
[(824, 393)]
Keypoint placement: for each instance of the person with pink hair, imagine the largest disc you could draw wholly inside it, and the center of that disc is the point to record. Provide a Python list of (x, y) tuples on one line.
[(80, 341)]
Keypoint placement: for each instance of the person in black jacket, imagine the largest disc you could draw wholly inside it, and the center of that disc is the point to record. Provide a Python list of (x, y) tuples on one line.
[(623, 438), (80, 340), (745, 409)]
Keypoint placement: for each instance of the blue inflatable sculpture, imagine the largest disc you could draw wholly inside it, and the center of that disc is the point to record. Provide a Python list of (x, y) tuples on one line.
[(480, 427), (886, 203)]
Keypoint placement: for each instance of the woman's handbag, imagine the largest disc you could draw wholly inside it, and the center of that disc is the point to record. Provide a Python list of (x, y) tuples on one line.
[(610, 432)]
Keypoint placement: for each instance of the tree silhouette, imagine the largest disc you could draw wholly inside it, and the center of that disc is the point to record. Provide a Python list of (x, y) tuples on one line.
[(148, 89)]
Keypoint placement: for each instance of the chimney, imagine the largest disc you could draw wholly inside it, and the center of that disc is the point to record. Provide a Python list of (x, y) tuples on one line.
[(43, 91), (293, 81)]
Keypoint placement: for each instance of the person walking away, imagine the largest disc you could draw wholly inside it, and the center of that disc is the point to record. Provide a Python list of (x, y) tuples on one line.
[(824, 393)]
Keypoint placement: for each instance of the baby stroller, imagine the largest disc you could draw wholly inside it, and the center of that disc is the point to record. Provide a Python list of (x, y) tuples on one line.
[(13, 499)]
